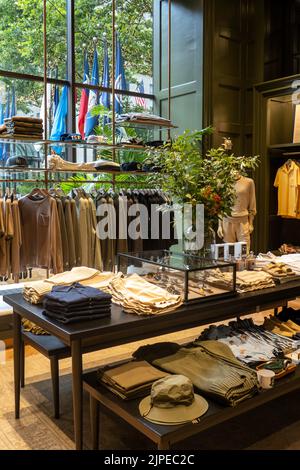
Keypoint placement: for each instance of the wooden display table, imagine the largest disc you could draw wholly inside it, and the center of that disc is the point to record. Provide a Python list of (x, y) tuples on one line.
[(122, 328), (165, 436)]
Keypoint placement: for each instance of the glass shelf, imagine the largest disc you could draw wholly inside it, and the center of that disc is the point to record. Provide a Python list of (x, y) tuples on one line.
[(78, 145), (49, 171)]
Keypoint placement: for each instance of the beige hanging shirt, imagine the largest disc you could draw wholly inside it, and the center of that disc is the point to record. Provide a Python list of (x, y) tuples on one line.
[(288, 181)]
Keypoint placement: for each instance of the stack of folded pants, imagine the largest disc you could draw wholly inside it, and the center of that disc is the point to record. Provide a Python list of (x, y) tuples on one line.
[(22, 126), (130, 380), (70, 304)]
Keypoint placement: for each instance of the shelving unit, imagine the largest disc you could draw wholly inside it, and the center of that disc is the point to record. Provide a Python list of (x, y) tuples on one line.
[(274, 116)]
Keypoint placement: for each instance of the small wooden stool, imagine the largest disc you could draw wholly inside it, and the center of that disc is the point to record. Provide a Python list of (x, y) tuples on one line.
[(52, 348)]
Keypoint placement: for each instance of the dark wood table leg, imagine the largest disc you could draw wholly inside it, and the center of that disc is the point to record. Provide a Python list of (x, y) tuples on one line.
[(17, 360), (163, 445), (77, 391), (94, 417)]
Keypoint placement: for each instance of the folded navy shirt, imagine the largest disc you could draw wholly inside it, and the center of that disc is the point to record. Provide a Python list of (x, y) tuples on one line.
[(76, 295)]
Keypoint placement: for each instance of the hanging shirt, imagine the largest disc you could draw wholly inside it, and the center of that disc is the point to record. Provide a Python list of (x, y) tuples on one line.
[(288, 181)]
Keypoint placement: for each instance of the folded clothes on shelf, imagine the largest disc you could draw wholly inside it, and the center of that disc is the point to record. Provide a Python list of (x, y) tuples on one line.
[(130, 380), (23, 126), (246, 281), (136, 295), (144, 118), (35, 291), (249, 343), (279, 270), (55, 162), (70, 304), (210, 365)]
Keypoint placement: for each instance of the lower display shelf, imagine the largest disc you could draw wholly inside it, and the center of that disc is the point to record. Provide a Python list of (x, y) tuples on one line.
[(165, 436)]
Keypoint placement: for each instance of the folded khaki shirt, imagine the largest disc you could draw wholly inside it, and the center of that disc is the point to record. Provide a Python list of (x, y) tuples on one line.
[(136, 295)]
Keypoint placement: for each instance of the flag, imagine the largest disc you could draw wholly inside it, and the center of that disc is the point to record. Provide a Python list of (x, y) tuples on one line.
[(59, 124), (84, 100), (105, 96), (140, 100), (92, 121), (13, 108), (120, 79), (55, 95)]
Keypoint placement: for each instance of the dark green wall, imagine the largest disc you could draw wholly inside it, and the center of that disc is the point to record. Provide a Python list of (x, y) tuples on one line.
[(186, 61)]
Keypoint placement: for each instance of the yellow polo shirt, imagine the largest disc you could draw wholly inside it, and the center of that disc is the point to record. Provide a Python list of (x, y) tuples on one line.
[(288, 182)]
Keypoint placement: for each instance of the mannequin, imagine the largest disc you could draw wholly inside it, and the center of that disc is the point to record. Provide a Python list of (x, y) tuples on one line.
[(239, 226)]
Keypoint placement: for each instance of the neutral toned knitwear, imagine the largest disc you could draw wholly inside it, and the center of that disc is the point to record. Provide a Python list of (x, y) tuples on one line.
[(131, 375), (76, 232), (70, 233), (41, 238), (2, 239), (245, 202), (2, 223), (96, 260), (17, 239), (63, 233), (213, 369), (9, 234)]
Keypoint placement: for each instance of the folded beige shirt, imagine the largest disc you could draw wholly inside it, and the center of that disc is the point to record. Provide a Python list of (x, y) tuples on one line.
[(136, 295)]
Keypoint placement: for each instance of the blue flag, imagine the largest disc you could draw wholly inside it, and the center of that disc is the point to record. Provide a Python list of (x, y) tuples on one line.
[(92, 121), (105, 96), (59, 124), (56, 96), (120, 83)]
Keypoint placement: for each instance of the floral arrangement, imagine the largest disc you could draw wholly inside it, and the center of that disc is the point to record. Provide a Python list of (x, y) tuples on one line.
[(190, 176)]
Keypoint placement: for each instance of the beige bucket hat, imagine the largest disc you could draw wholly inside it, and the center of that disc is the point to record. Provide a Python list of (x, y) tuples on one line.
[(172, 402)]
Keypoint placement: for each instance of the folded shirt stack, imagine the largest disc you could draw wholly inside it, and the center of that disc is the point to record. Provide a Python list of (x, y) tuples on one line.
[(246, 281), (35, 291), (22, 127), (130, 380), (70, 304), (136, 295)]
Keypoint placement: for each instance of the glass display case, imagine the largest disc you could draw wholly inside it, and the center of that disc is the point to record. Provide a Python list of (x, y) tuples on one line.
[(195, 279)]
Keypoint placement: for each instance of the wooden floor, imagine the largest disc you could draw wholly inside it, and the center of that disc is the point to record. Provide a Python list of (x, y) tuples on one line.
[(275, 426)]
